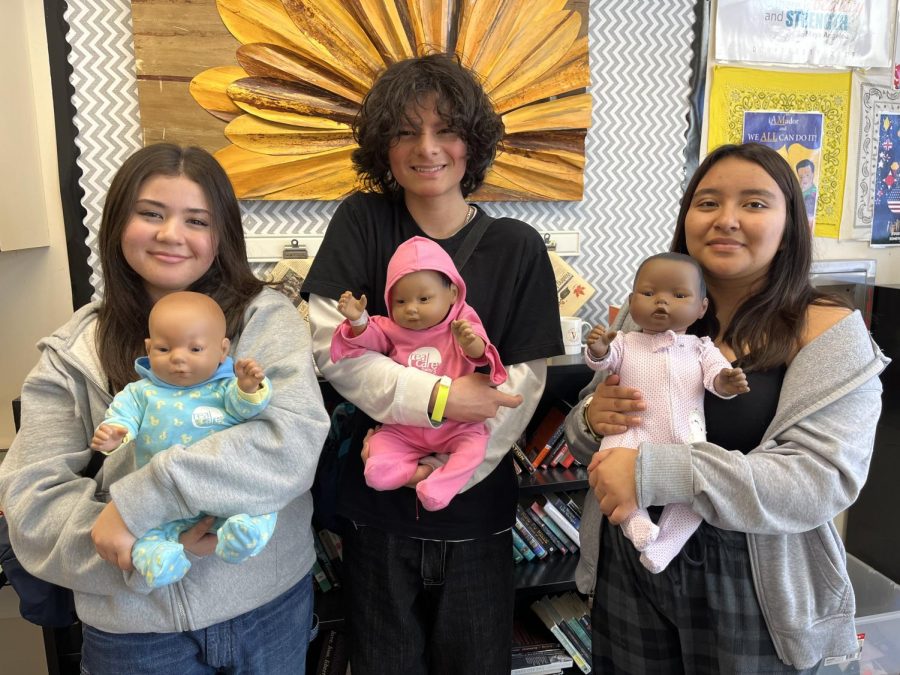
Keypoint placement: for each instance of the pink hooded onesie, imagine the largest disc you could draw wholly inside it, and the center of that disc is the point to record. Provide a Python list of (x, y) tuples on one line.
[(395, 450)]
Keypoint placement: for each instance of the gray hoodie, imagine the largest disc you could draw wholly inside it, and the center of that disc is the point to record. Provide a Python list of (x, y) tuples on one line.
[(265, 464), (810, 466)]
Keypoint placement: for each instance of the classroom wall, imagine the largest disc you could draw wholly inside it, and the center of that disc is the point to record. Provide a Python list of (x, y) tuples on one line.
[(35, 296)]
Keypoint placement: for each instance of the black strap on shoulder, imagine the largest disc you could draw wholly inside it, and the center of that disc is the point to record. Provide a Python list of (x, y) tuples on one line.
[(464, 252), (94, 465)]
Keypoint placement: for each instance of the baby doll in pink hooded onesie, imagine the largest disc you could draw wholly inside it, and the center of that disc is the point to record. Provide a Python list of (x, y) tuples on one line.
[(431, 328)]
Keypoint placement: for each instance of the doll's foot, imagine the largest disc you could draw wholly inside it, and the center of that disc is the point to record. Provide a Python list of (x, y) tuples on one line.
[(641, 531), (243, 536), (653, 563), (429, 501), (161, 562)]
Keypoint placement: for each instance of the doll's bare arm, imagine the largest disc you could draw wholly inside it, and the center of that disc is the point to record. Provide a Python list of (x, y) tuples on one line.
[(249, 375), (108, 437), (731, 381), (352, 309), (471, 344), (598, 341)]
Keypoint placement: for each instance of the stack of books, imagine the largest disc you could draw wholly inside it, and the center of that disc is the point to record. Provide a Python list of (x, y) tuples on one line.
[(546, 446), (547, 524), (568, 618)]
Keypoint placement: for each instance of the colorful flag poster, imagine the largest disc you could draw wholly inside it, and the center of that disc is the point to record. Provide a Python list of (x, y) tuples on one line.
[(811, 32), (886, 215), (736, 91), (797, 136)]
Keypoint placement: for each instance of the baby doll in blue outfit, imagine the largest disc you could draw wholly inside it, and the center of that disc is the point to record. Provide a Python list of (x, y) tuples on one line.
[(190, 388)]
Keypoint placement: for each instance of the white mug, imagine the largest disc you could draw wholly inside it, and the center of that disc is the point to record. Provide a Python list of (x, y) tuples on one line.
[(572, 333)]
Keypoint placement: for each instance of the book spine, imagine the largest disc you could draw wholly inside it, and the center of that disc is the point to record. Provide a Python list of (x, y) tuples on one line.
[(558, 450), (545, 450), (576, 655), (584, 656), (564, 509), (517, 557), (572, 504), (521, 458), (570, 530), (530, 539), (563, 543), (326, 565), (568, 459), (536, 529), (520, 544), (320, 577)]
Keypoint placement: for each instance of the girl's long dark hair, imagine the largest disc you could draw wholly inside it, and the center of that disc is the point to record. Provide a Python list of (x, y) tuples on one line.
[(123, 314), (460, 100), (767, 328)]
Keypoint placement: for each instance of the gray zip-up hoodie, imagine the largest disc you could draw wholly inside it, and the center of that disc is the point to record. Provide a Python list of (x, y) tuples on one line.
[(810, 466), (259, 466)]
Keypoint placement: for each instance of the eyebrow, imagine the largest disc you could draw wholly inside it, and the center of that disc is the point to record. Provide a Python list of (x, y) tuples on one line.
[(153, 202), (744, 193)]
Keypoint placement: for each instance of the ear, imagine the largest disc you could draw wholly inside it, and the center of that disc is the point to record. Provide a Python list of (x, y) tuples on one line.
[(703, 307), (454, 292), (226, 343), (147, 346)]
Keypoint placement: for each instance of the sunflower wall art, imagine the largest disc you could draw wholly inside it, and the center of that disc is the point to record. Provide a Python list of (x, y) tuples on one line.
[(272, 86)]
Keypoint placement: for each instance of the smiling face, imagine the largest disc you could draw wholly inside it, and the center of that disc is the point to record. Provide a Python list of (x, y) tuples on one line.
[(428, 158), (667, 296), (420, 300), (187, 340), (168, 240), (735, 222)]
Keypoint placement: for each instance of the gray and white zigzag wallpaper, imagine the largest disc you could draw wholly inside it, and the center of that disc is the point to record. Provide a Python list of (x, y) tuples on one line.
[(640, 53)]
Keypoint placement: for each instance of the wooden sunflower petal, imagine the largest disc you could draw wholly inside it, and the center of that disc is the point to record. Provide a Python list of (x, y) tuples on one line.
[(568, 112), (271, 138), (263, 21), (430, 20), (336, 34), (255, 175), (266, 60), (335, 183), (292, 97), (538, 177), (570, 74), (385, 26), (533, 51), (475, 20), (208, 89)]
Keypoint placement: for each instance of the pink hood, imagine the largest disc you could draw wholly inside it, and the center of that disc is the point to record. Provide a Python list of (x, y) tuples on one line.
[(415, 255)]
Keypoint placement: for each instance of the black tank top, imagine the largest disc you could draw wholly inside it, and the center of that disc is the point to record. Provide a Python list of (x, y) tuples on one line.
[(739, 423)]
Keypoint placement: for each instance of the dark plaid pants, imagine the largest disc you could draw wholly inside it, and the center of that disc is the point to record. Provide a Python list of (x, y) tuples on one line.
[(700, 615)]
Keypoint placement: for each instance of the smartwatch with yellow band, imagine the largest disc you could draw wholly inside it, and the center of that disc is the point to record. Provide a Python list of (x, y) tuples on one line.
[(440, 401)]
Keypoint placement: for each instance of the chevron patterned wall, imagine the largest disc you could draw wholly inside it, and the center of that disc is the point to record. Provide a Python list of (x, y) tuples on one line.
[(640, 53)]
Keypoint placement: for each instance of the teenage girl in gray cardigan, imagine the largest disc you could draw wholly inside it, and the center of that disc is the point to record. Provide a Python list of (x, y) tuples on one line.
[(762, 586)]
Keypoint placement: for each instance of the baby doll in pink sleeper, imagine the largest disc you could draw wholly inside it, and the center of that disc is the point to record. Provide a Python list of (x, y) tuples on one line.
[(672, 369), (429, 327)]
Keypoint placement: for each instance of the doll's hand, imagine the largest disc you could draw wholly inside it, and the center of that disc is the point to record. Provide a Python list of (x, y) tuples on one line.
[(249, 375), (731, 381), (351, 308), (607, 410), (112, 538), (598, 341), (611, 476), (471, 344), (198, 539), (108, 437)]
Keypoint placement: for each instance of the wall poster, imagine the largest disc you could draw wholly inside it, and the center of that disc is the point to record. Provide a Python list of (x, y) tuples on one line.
[(809, 32), (886, 213), (736, 91)]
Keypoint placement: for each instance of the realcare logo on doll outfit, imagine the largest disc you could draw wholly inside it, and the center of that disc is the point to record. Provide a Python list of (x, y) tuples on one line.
[(425, 358), (206, 416)]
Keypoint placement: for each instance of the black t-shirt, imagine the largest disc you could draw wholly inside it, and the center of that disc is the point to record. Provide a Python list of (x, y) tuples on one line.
[(739, 423), (509, 283)]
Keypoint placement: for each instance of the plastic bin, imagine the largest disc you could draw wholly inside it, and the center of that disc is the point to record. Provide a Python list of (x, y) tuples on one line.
[(878, 618)]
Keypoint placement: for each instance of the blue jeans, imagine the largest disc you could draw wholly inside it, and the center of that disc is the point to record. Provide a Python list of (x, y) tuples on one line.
[(269, 640), (425, 607)]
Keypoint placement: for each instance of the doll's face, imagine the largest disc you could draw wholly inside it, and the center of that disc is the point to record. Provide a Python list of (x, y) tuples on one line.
[(187, 340), (667, 296), (420, 300)]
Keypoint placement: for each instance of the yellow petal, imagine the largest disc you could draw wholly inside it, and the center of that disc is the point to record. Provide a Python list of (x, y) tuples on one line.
[(292, 119), (476, 18), (262, 60), (536, 178), (385, 27), (332, 184), (259, 135), (208, 89), (254, 175), (533, 52), (430, 21), (262, 21), (292, 97), (570, 74), (568, 112), (336, 33)]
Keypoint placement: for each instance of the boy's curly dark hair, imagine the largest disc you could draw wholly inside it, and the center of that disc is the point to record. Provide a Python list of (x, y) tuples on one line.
[(461, 101)]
